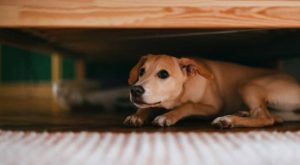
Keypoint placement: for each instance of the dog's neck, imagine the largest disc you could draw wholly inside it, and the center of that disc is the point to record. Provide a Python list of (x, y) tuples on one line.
[(196, 93), (189, 94)]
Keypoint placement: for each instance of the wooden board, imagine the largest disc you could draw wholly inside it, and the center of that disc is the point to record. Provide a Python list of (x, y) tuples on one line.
[(127, 45), (26, 91), (39, 115), (150, 14)]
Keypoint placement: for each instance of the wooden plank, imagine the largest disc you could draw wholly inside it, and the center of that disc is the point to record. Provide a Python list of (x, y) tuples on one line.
[(127, 45), (150, 14), (37, 115), (80, 69), (55, 67), (26, 91), (56, 71), (30, 39)]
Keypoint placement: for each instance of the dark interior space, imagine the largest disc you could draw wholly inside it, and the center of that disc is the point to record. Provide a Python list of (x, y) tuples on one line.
[(125, 45), (108, 56)]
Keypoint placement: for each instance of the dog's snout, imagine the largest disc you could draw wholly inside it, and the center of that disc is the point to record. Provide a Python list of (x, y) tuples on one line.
[(137, 91)]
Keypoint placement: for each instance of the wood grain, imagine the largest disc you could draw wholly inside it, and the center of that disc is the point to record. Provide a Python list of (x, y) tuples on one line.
[(150, 14)]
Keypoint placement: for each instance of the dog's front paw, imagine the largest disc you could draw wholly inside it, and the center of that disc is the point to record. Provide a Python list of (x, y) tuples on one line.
[(163, 121), (223, 122), (134, 120)]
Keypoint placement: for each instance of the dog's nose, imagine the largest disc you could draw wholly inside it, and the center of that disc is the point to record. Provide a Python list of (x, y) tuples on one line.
[(137, 91)]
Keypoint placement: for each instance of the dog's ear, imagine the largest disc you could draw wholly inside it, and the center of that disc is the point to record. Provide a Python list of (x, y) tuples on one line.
[(134, 72), (192, 67)]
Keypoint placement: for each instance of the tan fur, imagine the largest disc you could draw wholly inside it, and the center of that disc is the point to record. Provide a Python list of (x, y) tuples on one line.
[(133, 75), (199, 87)]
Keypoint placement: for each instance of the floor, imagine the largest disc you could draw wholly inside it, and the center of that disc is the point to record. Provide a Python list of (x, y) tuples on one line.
[(43, 115)]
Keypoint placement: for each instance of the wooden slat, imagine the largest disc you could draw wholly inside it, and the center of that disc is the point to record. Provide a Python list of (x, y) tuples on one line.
[(55, 67), (26, 91), (80, 69), (150, 14), (30, 39), (127, 45)]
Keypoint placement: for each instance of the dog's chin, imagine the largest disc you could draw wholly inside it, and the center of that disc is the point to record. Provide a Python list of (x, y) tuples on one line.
[(139, 103), (146, 105)]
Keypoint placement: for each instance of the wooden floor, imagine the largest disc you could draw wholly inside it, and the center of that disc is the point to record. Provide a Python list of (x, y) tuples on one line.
[(43, 115)]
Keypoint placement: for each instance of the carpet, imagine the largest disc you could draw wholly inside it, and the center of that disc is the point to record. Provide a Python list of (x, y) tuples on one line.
[(265, 148)]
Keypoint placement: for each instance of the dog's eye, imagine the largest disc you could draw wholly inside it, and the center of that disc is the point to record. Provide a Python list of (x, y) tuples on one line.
[(163, 74), (142, 72)]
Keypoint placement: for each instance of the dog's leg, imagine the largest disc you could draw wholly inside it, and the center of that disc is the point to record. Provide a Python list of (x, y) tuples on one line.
[(188, 109), (231, 121), (242, 113), (138, 118), (255, 98)]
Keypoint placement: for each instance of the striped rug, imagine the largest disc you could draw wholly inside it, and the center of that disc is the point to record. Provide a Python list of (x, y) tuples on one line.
[(253, 148)]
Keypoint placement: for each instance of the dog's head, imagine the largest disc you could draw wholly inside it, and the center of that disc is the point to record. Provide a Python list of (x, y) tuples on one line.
[(157, 79)]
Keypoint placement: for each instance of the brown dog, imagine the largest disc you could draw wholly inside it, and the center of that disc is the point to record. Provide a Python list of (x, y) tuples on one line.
[(190, 87)]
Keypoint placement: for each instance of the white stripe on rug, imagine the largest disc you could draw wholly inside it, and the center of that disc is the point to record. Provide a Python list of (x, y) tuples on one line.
[(149, 148)]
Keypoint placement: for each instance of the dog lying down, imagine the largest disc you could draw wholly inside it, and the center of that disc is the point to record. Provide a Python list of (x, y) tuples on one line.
[(242, 96)]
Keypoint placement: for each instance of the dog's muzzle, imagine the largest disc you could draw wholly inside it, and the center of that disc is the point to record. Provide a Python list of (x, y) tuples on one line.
[(137, 91)]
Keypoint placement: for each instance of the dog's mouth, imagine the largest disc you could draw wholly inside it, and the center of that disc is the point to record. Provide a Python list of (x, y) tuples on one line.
[(140, 102)]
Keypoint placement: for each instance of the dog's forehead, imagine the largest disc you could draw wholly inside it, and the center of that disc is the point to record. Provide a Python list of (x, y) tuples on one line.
[(161, 62)]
